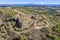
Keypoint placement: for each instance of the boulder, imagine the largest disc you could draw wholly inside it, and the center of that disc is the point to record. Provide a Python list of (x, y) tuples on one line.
[(18, 21)]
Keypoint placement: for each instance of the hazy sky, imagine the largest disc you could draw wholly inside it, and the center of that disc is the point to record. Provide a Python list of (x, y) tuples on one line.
[(29, 1)]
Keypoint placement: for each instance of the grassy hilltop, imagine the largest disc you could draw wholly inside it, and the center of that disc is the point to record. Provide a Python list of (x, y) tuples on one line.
[(29, 23)]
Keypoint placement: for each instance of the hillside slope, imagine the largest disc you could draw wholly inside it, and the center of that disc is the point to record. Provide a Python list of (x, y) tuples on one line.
[(27, 24)]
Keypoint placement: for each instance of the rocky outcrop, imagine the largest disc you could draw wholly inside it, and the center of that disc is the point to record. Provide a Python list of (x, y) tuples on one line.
[(18, 21)]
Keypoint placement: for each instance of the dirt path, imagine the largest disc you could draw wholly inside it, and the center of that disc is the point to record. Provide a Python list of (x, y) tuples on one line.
[(1, 21), (1, 38), (18, 33), (34, 27), (30, 28), (19, 12)]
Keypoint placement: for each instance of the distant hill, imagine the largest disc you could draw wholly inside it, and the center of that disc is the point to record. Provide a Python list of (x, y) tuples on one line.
[(11, 5)]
